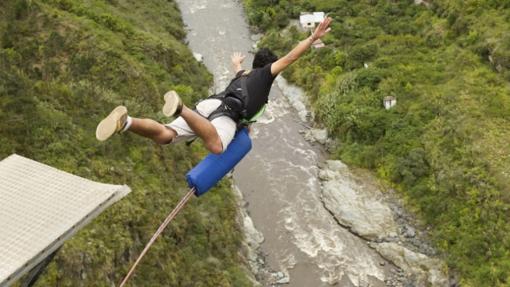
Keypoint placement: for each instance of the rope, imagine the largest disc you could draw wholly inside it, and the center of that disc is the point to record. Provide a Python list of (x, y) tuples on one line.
[(158, 232)]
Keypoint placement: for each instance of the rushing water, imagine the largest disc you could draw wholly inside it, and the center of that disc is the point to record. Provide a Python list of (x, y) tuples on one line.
[(279, 177)]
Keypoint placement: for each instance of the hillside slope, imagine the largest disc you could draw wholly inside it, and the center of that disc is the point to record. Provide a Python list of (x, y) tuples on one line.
[(64, 64), (445, 144)]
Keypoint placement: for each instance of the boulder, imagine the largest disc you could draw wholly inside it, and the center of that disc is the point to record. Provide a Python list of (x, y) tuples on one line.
[(317, 135), (364, 215), (336, 166), (355, 205), (428, 271), (198, 57)]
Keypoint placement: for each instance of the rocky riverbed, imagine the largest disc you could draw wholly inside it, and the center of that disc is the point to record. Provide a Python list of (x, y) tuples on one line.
[(368, 209), (361, 204)]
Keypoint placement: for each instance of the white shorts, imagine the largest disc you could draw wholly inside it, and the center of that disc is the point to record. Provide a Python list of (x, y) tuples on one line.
[(225, 126)]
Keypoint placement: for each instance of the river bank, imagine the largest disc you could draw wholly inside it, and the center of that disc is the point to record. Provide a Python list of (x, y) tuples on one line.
[(371, 210)]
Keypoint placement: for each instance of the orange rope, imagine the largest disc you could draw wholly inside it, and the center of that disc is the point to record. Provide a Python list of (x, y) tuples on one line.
[(158, 232)]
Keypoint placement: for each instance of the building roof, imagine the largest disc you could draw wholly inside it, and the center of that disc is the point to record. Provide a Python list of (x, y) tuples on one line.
[(315, 17), (41, 207), (318, 16)]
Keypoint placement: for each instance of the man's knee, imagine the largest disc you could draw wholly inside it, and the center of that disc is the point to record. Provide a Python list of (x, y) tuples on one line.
[(166, 136), (215, 146)]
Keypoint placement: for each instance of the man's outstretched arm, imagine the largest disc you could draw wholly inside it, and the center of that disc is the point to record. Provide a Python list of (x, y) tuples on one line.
[(293, 55)]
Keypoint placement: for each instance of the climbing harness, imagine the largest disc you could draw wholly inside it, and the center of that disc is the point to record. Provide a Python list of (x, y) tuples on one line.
[(236, 102), (200, 179)]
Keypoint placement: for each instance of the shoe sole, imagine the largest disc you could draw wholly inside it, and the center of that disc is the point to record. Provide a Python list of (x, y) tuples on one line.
[(108, 126), (171, 103)]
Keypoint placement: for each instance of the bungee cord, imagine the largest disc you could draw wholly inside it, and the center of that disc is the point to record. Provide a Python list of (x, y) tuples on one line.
[(158, 232)]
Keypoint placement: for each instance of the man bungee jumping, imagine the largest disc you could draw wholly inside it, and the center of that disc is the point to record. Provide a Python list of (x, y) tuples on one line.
[(217, 117)]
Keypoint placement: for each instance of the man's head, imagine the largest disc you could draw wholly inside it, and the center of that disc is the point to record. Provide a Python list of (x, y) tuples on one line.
[(263, 57)]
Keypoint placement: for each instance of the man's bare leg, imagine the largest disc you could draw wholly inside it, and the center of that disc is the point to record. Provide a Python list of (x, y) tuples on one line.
[(163, 135), (203, 129), (153, 130), (201, 126)]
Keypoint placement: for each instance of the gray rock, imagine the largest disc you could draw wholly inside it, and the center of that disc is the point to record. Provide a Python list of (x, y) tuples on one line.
[(295, 95), (356, 206), (326, 174), (398, 211), (253, 238), (410, 232), (198, 57), (427, 270), (280, 278), (317, 135), (284, 280), (336, 166)]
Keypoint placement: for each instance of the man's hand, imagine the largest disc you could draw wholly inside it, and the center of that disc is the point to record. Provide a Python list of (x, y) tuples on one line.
[(237, 58), (304, 45), (322, 29)]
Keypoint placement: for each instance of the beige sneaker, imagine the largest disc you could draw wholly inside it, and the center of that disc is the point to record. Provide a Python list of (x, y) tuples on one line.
[(113, 123), (173, 104)]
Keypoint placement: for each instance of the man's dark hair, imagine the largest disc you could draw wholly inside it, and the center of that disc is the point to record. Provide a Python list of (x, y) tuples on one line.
[(263, 57)]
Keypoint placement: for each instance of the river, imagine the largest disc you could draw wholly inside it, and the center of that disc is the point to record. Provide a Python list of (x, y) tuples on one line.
[(304, 245)]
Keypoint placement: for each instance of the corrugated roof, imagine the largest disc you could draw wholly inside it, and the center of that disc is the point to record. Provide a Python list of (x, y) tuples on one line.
[(41, 207)]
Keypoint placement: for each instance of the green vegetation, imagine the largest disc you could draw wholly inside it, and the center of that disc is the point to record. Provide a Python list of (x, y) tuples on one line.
[(445, 144), (64, 64)]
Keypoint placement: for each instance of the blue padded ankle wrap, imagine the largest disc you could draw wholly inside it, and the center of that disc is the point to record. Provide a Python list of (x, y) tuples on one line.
[(215, 166)]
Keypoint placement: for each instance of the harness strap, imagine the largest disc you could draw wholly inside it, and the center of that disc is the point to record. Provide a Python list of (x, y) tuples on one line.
[(244, 87), (226, 108)]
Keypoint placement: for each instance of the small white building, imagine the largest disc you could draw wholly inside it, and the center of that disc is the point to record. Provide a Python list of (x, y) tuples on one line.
[(422, 2), (389, 102), (308, 20)]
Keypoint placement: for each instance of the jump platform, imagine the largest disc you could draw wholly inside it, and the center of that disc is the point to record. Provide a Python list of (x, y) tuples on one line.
[(40, 208)]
